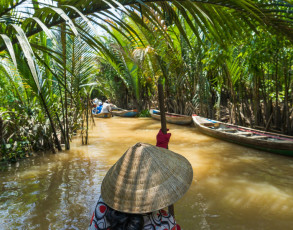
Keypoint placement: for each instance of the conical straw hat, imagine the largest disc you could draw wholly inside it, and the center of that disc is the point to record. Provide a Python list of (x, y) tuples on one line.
[(146, 178)]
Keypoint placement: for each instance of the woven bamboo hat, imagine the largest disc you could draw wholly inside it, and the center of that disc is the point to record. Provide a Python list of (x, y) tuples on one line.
[(145, 179)]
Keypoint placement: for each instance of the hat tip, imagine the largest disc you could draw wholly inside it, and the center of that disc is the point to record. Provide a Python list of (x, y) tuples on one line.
[(138, 144)]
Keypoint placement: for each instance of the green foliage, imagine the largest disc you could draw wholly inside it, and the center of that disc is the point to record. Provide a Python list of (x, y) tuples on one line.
[(209, 60), (15, 150), (144, 113), (17, 138)]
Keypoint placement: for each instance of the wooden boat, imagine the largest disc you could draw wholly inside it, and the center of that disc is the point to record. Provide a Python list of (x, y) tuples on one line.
[(271, 142), (172, 118), (125, 113), (103, 115), (115, 109)]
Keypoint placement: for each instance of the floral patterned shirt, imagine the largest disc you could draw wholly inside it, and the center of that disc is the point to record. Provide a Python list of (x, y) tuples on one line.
[(158, 220)]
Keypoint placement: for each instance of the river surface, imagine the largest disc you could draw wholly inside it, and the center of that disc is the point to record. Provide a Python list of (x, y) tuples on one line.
[(234, 187)]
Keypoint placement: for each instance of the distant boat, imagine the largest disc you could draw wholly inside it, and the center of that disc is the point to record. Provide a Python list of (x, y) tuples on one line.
[(115, 109), (125, 113), (172, 118), (103, 115), (271, 142)]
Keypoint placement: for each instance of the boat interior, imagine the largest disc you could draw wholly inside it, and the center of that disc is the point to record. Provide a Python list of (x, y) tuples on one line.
[(234, 130)]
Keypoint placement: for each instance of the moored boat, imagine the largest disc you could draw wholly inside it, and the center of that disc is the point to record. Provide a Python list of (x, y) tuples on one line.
[(267, 141), (103, 115), (172, 118), (115, 108), (125, 113)]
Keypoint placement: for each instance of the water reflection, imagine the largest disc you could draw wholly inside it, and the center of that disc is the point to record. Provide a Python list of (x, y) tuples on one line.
[(233, 187)]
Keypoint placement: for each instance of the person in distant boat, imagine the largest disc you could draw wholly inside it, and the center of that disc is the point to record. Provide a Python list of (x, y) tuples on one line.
[(106, 107), (94, 103), (139, 185), (99, 108)]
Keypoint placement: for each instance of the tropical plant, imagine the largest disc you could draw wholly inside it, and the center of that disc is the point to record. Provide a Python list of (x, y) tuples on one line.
[(195, 63)]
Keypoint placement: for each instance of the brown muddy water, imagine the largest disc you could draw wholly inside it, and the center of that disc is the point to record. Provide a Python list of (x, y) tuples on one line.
[(233, 188)]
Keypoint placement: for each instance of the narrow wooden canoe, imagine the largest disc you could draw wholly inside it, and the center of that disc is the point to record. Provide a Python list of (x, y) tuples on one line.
[(103, 115), (125, 113), (271, 142), (172, 118), (115, 109)]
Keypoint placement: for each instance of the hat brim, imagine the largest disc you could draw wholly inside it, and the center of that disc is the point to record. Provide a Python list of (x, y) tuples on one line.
[(145, 179)]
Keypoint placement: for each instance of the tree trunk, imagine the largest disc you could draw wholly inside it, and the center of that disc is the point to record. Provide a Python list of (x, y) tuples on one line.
[(286, 120), (87, 120), (60, 125), (82, 128), (63, 41), (51, 123), (256, 102), (277, 109), (1, 131), (266, 114)]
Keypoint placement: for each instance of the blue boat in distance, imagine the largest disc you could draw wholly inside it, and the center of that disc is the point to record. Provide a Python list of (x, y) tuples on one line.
[(125, 113)]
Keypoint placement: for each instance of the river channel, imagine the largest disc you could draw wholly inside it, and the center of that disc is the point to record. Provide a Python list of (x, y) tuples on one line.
[(234, 187)]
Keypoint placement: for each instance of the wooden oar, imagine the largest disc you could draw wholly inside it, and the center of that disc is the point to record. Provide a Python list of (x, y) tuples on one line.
[(164, 128), (162, 109)]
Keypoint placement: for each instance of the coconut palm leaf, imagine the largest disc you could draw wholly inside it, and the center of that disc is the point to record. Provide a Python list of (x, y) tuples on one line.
[(62, 14), (119, 21), (9, 47), (10, 72), (42, 25), (28, 52)]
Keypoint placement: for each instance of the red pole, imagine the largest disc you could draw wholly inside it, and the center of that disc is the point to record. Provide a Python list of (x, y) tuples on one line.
[(164, 128), (162, 108)]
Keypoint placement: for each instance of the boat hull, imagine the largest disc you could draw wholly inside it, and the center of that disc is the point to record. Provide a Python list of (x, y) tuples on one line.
[(125, 113), (266, 141), (103, 115), (172, 118)]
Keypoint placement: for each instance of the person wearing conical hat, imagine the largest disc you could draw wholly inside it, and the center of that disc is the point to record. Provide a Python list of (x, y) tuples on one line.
[(139, 185)]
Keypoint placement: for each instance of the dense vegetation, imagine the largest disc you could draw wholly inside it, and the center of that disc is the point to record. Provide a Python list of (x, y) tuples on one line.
[(247, 81), (229, 60)]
